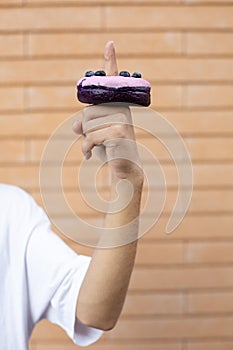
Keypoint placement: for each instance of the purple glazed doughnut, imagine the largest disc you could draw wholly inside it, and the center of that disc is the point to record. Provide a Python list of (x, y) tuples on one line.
[(104, 89)]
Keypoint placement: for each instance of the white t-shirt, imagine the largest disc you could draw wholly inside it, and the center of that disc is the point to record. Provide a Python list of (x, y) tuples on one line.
[(40, 276)]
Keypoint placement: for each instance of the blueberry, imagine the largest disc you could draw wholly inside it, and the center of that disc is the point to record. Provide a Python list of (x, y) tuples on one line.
[(89, 73), (100, 73), (136, 75), (124, 74)]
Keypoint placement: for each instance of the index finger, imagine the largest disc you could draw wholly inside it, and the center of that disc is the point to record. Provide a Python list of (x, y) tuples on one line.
[(110, 59)]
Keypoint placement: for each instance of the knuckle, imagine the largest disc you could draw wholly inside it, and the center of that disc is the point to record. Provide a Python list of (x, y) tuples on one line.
[(86, 143), (122, 118), (84, 147), (119, 130), (88, 138), (85, 127)]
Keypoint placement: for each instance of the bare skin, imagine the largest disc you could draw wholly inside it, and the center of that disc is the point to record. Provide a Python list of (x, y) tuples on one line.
[(104, 288)]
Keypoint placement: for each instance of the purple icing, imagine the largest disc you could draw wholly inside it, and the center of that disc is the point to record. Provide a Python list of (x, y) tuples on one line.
[(93, 94)]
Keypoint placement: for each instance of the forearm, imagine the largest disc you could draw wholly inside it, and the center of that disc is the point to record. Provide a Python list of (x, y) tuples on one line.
[(104, 288)]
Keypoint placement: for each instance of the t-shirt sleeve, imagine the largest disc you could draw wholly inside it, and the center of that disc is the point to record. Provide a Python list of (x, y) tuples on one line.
[(54, 275)]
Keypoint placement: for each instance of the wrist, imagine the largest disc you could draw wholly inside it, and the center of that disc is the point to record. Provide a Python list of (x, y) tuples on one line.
[(136, 178)]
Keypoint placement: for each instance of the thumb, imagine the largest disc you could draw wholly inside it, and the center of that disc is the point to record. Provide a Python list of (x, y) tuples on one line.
[(110, 59)]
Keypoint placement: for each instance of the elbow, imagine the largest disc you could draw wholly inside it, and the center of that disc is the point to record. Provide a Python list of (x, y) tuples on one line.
[(98, 316), (102, 324), (106, 327)]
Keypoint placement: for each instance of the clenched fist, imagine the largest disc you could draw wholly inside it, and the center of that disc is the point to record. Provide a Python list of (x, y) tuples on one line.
[(108, 129)]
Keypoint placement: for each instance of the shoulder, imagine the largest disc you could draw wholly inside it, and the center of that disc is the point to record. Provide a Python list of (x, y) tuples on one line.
[(18, 205), (13, 196), (11, 191)]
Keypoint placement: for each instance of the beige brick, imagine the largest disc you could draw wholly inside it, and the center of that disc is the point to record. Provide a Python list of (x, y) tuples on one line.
[(50, 18), (131, 2), (51, 97), (212, 175), (11, 2), (213, 201), (75, 153), (166, 96), (201, 122), (12, 151), (109, 346), (180, 69), (36, 147), (173, 328), (153, 304), (11, 45), (50, 346), (212, 302), (96, 220), (194, 227), (205, 175), (200, 149), (201, 202), (76, 202), (209, 252), (216, 148), (181, 278), (216, 201), (69, 177), (198, 228), (90, 2), (54, 97), (186, 122), (219, 2), (163, 17), (93, 43), (154, 70), (152, 329), (11, 99), (211, 345), (209, 43), (210, 95), (46, 330), (193, 93), (31, 124), (150, 253), (47, 71), (23, 176)]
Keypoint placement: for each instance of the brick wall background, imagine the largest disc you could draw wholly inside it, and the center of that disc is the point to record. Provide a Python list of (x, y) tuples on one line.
[(180, 295)]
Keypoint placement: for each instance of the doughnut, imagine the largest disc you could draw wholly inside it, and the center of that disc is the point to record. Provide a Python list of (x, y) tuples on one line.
[(96, 88)]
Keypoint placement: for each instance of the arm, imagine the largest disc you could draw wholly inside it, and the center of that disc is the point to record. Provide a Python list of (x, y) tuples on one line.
[(104, 288)]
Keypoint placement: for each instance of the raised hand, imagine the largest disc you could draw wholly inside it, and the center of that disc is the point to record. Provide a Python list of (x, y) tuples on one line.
[(108, 129)]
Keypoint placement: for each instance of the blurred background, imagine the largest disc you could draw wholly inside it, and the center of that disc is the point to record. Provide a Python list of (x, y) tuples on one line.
[(181, 291)]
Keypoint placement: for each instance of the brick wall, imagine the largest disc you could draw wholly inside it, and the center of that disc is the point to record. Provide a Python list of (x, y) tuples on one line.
[(180, 295)]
